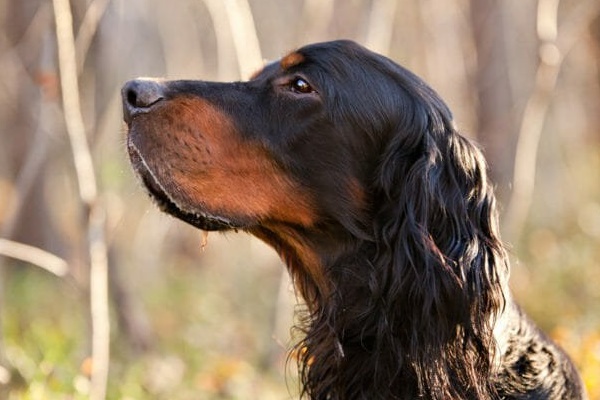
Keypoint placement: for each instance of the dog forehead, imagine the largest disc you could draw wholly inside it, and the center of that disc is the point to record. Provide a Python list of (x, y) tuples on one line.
[(269, 69)]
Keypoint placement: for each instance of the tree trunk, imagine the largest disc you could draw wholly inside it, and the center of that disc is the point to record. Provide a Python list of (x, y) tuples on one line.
[(496, 130)]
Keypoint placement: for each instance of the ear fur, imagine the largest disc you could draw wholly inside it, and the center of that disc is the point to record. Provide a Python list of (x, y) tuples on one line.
[(436, 225)]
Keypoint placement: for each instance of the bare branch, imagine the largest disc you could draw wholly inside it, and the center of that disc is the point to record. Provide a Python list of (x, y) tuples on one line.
[(88, 193), (534, 117), (87, 30), (225, 49), (72, 107), (555, 42), (381, 25), (245, 38), (35, 256), (99, 303)]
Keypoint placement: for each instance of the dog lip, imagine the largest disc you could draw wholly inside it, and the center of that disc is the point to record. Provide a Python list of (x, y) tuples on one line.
[(197, 218)]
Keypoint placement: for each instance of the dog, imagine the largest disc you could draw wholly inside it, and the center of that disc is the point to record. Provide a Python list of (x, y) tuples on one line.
[(352, 169)]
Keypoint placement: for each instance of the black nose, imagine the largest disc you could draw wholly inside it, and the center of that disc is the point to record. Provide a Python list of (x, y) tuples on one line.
[(139, 95)]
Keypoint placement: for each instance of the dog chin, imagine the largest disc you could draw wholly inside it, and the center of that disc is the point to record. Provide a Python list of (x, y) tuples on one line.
[(166, 203)]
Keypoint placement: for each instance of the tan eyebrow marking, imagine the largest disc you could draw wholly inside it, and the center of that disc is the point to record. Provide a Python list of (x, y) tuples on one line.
[(291, 60)]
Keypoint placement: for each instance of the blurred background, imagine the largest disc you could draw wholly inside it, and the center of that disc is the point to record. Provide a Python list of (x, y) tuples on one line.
[(185, 321)]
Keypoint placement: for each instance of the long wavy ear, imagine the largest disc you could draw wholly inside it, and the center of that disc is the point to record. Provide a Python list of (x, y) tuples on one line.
[(439, 251)]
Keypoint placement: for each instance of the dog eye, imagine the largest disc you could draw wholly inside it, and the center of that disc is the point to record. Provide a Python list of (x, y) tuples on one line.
[(299, 85)]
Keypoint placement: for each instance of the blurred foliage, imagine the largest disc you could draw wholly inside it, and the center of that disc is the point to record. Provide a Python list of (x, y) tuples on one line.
[(206, 344), (214, 324)]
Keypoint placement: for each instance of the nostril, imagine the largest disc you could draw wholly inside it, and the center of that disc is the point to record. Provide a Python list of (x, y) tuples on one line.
[(141, 94), (131, 97)]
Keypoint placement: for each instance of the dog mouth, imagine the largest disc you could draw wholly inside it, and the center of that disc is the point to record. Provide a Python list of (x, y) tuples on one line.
[(197, 218)]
